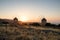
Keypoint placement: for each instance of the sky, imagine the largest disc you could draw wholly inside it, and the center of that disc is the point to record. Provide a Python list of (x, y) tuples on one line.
[(32, 10)]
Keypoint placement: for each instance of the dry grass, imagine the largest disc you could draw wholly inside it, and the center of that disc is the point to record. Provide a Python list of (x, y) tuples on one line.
[(29, 33)]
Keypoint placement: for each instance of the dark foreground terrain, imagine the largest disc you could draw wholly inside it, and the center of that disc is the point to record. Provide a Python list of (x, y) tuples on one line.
[(28, 33)]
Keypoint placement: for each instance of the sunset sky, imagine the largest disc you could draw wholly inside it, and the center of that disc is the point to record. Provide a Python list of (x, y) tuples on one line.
[(31, 10)]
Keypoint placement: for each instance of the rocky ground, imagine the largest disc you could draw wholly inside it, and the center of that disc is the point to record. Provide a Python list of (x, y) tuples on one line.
[(28, 33)]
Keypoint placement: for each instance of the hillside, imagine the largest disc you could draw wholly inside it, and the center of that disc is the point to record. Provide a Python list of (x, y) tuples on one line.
[(28, 33)]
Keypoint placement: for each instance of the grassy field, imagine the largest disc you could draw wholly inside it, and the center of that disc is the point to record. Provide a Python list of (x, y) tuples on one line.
[(28, 33)]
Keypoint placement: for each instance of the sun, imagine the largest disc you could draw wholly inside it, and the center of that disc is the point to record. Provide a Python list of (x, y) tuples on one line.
[(23, 18)]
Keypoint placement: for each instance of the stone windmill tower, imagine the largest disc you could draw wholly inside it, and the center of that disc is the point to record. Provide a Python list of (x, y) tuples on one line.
[(43, 22), (15, 19)]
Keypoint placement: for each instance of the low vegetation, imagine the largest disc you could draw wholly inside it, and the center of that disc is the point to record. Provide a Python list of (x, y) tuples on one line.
[(30, 33)]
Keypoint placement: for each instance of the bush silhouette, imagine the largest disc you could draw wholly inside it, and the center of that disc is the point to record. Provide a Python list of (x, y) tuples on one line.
[(48, 24), (35, 24)]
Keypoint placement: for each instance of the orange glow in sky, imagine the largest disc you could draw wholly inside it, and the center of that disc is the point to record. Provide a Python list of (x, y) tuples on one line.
[(31, 10), (23, 18)]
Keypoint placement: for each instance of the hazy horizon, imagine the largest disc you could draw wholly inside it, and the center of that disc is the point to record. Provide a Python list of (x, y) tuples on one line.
[(31, 10)]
